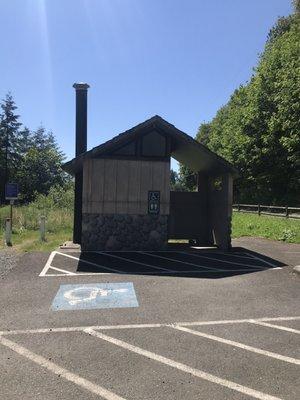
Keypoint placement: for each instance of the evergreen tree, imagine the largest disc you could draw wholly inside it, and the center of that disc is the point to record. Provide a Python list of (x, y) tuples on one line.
[(31, 159), (25, 141), (296, 5), (41, 166), (203, 133), (176, 182), (9, 132), (188, 179)]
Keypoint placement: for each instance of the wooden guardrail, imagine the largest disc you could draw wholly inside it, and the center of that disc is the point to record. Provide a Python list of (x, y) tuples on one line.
[(276, 211)]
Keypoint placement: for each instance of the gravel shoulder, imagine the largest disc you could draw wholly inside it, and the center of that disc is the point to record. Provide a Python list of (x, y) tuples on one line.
[(8, 260)]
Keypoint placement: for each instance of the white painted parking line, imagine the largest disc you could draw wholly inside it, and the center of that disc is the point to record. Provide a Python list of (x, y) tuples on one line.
[(134, 262), (48, 266), (236, 321), (217, 271), (181, 326), (154, 325), (90, 263), (62, 270), (78, 274), (183, 367), (238, 344), (281, 328), (60, 371), (48, 263), (78, 329), (222, 261), (144, 272)]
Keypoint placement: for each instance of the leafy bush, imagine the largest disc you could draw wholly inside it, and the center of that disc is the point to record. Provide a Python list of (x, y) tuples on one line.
[(287, 235), (59, 197), (57, 207)]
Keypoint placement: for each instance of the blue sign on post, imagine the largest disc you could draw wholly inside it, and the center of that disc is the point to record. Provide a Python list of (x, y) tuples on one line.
[(87, 296), (11, 191)]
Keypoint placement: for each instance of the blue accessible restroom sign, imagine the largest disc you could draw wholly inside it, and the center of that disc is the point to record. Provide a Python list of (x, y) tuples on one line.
[(153, 202), (95, 295), (11, 191)]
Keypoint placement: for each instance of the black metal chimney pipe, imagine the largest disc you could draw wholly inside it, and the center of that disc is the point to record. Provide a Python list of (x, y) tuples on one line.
[(80, 147), (81, 117)]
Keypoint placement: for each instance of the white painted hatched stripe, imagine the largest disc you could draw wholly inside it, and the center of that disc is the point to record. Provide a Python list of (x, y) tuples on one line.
[(183, 262), (219, 269), (200, 268), (263, 260), (235, 254), (134, 262), (223, 261)]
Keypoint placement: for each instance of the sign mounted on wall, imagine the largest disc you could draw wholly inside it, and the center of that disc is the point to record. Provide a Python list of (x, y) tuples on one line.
[(153, 202), (11, 191)]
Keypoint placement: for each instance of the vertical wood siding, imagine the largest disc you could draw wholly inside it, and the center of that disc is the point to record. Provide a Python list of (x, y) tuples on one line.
[(112, 186)]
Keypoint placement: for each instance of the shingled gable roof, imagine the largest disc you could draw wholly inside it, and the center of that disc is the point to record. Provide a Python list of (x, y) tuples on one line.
[(185, 149)]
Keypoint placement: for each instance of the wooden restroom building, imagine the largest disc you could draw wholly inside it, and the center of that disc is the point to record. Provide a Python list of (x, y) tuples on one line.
[(122, 188)]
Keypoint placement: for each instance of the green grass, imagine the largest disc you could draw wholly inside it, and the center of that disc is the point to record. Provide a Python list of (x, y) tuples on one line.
[(59, 224), (276, 228), (30, 241)]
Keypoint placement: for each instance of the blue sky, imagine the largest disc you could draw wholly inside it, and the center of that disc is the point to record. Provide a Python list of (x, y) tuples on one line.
[(180, 59)]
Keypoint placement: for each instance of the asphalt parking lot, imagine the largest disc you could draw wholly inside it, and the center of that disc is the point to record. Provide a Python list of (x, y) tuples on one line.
[(183, 324)]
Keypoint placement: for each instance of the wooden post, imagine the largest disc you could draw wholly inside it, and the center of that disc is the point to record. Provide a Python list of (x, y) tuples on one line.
[(8, 232), (11, 213), (238, 207), (287, 211), (43, 229), (258, 209)]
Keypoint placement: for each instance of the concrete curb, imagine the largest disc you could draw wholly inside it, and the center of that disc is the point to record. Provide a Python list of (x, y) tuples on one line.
[(296, 269)]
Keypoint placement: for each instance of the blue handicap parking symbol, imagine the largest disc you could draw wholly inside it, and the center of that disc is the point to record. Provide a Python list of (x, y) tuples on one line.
[(95, 295)]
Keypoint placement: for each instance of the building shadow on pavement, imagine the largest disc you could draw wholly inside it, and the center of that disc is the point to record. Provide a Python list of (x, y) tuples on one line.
[(179, 260)]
